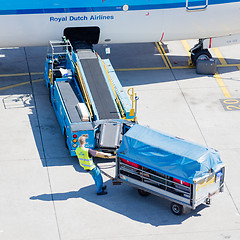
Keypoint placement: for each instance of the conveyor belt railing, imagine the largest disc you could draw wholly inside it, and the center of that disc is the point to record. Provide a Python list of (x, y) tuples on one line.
[(124, 110), (83, 90), (123, 115), (95, 77)]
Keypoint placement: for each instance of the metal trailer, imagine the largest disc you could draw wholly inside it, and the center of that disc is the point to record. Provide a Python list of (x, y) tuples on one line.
[(136, 166), (77, 80)]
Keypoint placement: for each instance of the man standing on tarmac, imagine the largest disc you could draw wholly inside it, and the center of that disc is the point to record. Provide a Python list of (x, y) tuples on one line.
[(85, 156)]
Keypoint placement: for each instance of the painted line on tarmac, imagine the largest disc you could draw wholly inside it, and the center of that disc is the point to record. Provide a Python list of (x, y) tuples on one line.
[(222, 85), (167, 61), (163, 54), (217, 75), (20, 84), (162, 68), (186, 47), (219, 56), (183, 67), (229, 65), (140, 69), (20, 74)]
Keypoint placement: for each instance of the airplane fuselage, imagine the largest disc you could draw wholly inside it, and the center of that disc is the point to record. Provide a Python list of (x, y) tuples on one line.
[(34, 23)]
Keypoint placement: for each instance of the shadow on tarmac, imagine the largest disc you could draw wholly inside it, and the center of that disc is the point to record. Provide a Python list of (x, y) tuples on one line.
[(126, 201)]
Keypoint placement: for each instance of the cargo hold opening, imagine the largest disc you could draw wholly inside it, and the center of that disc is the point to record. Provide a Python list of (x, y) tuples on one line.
[(88, 35)]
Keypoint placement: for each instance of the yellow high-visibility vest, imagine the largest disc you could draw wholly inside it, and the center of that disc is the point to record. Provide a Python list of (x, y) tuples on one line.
[(85, 161)]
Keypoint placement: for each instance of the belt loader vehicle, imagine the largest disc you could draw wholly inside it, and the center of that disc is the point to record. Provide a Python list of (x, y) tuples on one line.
[(87, 97)]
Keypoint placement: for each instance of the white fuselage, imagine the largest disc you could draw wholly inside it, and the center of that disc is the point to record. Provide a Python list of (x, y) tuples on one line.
[(123, 26)]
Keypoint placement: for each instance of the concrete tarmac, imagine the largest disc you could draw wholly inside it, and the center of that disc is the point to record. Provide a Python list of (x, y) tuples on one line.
[(44, 194)]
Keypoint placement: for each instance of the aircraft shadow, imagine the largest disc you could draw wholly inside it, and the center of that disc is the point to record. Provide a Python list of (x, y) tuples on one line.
[(146, 56)]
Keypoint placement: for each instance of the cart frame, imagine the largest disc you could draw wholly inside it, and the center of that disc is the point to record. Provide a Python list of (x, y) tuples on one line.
[(149, 181)]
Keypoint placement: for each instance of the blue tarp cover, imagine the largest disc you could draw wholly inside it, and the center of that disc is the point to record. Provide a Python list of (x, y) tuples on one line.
[(169, 155)]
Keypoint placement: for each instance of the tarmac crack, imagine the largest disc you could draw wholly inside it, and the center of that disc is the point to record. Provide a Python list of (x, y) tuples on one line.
[(185, 99), (232, 199)]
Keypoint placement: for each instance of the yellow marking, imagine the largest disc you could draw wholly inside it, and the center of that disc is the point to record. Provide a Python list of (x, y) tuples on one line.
[(222, 85), (206, 182), (219, 56), (36, 73), (186, 46), (164, 54), (229, 65), (133, 97), (183, 67), (20, 74), (20, 84), (14, 75), (140, 69), (163, 68)]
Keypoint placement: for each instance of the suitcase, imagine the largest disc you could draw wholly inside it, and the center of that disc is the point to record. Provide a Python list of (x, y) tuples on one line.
[(110, 136), (206, 66)]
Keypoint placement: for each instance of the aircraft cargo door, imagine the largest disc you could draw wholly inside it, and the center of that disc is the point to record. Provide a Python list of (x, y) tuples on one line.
[(196, 5)]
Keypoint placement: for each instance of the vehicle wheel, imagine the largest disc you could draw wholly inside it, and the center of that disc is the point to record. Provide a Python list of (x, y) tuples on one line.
[(49, 94), (221, 189), (65, 138), (176, 208), (208, 201), (202, 54), (143, 193)]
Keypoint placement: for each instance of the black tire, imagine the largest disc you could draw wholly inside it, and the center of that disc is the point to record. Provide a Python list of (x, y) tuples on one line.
[(204, 53), (208, 201), (65, 138), (176, 208), (49, 94), (143, 193)]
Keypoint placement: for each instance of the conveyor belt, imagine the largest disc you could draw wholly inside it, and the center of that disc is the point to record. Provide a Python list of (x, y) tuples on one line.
[(70, 99), (99, 89)]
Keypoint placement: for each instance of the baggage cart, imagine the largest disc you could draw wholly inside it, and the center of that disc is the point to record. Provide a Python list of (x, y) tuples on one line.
[(185, 173)]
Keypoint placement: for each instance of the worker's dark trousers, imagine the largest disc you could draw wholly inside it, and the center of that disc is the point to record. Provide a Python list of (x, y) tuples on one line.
[(96, 174)]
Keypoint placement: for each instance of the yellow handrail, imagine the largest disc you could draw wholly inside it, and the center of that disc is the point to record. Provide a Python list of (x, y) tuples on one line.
[(133, 98), (83, 89), (50, 76)]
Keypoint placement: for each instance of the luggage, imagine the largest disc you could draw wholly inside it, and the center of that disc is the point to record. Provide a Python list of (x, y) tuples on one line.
[(83, 112), (110, 136), (206, 66)]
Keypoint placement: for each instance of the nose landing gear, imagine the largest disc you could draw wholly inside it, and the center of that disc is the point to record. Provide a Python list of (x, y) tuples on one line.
[(202, 59)]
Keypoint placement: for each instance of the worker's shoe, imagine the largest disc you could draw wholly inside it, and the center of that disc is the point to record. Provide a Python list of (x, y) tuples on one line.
[(104, 187), (102, 193)]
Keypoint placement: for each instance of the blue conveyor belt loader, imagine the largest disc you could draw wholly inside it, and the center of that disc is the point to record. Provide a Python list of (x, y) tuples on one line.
[(87, 97)]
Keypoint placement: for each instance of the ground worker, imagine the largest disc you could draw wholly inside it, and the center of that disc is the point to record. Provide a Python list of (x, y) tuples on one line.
[(85, 156)]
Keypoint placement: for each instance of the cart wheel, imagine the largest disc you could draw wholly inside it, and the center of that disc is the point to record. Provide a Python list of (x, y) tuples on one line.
[(177, 208), (221, 189), (143, 193), (208, 201)]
